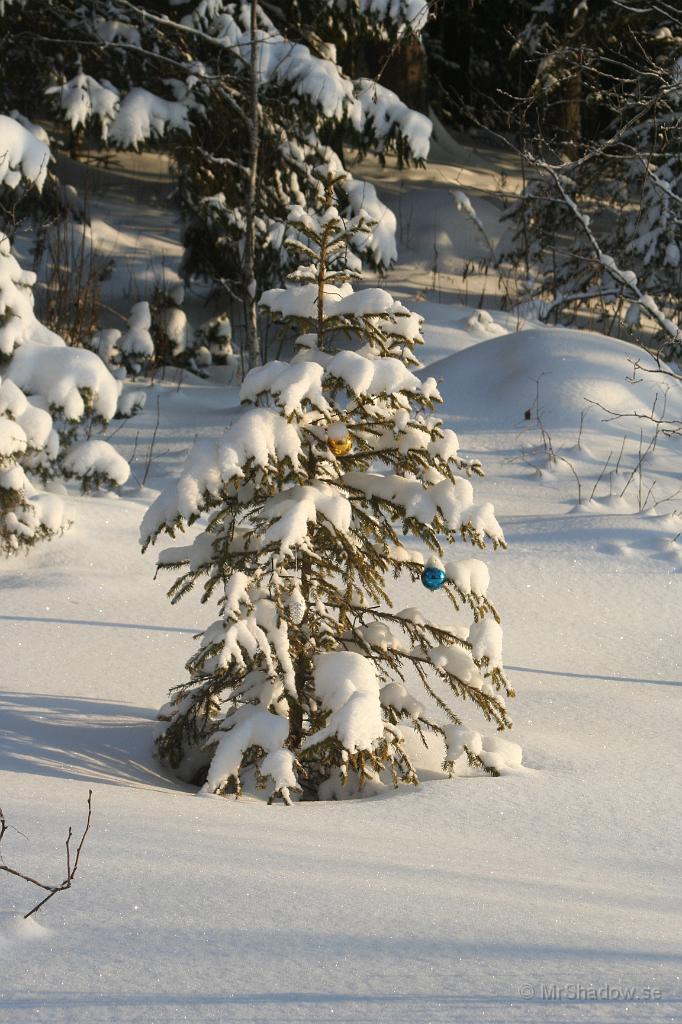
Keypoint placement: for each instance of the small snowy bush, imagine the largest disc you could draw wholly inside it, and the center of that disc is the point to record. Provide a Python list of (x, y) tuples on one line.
[(50, 396), (215, 336), (135, 347), (158, 334), (25, 432), (175, 343)]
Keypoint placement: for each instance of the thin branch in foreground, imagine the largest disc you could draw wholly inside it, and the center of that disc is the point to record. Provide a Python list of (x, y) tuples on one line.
[(71, 868)]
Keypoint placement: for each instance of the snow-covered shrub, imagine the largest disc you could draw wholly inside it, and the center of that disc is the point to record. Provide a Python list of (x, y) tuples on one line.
[(71, 393), (335, 478), (95, 463), (158, 334), (215, 335), (135, 347), (170, 325), (105, 343), (18, 322), (80, 394), (175, 344), (25, 432)]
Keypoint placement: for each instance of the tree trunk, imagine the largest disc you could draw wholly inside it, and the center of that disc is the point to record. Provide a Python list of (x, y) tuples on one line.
[(573, 108), (250, 287)]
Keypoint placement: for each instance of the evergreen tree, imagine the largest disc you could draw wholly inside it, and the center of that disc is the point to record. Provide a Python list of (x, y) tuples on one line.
[(314, 498), (52, 398), (245, 100), (25, 432)]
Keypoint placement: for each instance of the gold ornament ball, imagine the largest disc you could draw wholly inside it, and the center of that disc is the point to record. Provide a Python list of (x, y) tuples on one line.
[(340, 445)]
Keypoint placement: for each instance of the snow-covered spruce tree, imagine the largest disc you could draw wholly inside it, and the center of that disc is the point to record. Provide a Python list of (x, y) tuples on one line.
[(158, 334), (134, 349), (336, 478), (179, 76), (310, 107), (174, 341)]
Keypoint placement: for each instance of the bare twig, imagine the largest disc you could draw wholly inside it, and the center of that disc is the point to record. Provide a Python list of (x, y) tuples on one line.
[(599, 478), (577, 478), (71, 867), (153, 442)]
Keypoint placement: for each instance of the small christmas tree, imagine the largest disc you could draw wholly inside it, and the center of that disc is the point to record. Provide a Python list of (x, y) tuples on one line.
[(335, 478)]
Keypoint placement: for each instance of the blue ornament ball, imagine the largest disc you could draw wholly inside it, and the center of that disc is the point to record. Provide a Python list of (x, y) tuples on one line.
[(433, 578)]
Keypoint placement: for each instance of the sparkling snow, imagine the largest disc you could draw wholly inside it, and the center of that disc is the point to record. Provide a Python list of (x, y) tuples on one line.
[(459, 901)]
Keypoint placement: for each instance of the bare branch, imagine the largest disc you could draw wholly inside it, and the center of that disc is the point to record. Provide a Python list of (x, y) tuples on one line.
[(71, 869)]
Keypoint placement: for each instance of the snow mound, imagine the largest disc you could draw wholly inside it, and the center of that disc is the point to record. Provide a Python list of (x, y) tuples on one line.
[(496, 381), (63, 376), (96, 458)]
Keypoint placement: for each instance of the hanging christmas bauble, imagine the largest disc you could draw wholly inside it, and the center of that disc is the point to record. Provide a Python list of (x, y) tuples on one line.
[(433, 578), (296, 605), (339, 440)]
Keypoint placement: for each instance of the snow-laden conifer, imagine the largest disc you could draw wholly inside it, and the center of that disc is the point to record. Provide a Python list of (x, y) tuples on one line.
[(247, 99), (51, 396), (336, 478), (25, 431)]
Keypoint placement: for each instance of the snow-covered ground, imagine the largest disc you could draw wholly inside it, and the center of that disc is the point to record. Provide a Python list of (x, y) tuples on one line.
[(443, 255), (547, 895)]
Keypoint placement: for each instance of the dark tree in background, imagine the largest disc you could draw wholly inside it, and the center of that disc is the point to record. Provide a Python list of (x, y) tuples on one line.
[(589, 95), (471, 72)]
